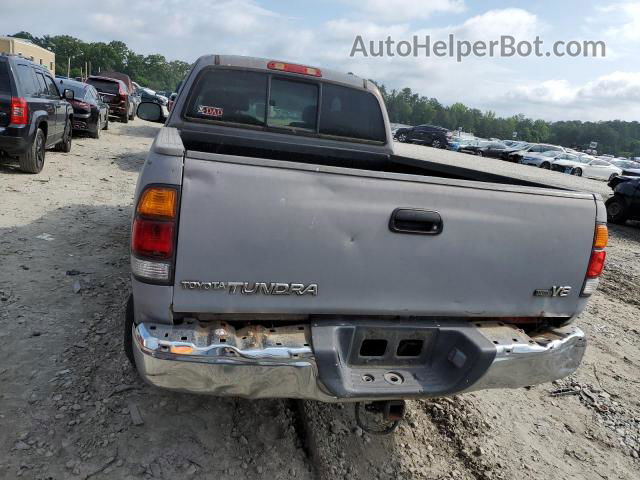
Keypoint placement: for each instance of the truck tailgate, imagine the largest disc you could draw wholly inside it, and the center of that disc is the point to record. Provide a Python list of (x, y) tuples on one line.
[(253, 220)]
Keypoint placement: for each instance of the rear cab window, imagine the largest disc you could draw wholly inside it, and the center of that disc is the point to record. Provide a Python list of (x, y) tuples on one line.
[(287, 104)]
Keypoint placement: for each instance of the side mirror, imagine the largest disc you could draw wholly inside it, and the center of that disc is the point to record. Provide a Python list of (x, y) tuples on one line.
[(68, 94), (150, 111)]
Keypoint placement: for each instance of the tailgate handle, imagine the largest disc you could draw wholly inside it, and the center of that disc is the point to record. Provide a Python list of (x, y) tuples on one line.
[(415, 220)]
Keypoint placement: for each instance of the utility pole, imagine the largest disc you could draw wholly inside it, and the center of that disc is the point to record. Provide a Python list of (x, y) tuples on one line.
[(86, 72), (68, 67)]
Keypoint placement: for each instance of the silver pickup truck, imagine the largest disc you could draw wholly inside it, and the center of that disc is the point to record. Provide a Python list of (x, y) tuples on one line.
[(281, 249)]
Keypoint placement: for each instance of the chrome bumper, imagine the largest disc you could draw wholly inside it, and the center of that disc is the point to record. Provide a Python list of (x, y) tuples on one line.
[(256, 362)]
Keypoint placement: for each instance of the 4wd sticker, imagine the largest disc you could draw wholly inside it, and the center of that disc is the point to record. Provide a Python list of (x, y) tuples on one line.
[(210, 111)]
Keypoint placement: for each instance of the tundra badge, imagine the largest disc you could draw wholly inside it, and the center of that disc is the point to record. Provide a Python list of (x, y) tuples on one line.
[(253, 288)]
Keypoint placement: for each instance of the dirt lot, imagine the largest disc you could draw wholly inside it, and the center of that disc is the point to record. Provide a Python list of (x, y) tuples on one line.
[(71, 406)]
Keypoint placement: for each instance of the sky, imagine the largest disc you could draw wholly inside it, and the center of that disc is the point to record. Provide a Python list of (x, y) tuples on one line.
[(322, 32)]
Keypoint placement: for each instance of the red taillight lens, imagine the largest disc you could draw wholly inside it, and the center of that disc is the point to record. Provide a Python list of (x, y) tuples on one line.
[(153, 235), (19, 111), (81, 105), (152, 238), (596, 263)]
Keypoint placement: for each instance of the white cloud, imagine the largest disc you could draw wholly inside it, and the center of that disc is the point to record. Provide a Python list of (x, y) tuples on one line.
[(615, 95), (626, 16), (403, 10)]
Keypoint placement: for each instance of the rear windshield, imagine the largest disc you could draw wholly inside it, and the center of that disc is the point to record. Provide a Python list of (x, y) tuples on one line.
[(104, 86), (243, 97), (5, 83)]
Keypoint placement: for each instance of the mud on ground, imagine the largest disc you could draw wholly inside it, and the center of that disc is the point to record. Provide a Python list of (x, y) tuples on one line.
[(72, 407)]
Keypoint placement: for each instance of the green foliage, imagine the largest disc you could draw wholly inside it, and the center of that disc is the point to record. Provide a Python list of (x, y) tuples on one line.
[(615, 137), (153, 71)]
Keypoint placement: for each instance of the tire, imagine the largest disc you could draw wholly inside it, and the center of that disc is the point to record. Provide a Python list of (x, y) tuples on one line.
[(128, 327), (65, 144), (613, 175), (132, 116), (617, 211), (106, 123), (436, 143), (96, 134), (32, 161), (577, 172), (479, 154), (125, 118), (546, 165), (402, 138)]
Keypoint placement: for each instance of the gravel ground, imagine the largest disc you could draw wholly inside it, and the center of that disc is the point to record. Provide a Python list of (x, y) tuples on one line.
[(72, 407)]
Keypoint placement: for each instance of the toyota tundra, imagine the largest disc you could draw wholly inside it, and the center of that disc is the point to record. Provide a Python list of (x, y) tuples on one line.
[(281, 249)]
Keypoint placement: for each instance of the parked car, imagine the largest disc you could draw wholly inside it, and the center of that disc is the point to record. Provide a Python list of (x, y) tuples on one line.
[(148, 95), (625, 203), (361, 285), (90, 112), (34, 115), (545, 159), (628, 167), (587, 166), (517, 155), (114, 93), (133, 97), (485, 149), (437, 137)]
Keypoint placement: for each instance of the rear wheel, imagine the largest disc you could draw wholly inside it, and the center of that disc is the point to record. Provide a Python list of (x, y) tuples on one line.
[(65, 144), (402, 138), (106, 123), (128, 328), (96, 132), (479, 153), (124, 118), (436, 143), (32, 161), (617, 210), (546, 165), (577, 172), (613, 175)]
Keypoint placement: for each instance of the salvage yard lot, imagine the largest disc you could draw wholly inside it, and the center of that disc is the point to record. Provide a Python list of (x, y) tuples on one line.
[(72, 407)]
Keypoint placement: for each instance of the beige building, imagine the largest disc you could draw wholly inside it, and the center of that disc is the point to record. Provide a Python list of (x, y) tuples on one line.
[(29, 50)]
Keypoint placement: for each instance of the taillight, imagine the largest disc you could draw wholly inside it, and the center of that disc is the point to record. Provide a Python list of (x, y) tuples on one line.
[(153, 235), (19, 111), (81, 105), (596, 260), (170, 105)]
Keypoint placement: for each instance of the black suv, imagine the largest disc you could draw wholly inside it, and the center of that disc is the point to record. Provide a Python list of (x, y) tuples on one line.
[(33, 114), (437, 137)]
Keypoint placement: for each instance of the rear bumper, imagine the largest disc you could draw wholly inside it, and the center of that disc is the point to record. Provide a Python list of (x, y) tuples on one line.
[(15, 140), (281, 363)]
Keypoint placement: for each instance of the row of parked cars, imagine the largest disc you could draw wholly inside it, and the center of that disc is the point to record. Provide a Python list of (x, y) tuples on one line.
[(39, 111), (550, 157)]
